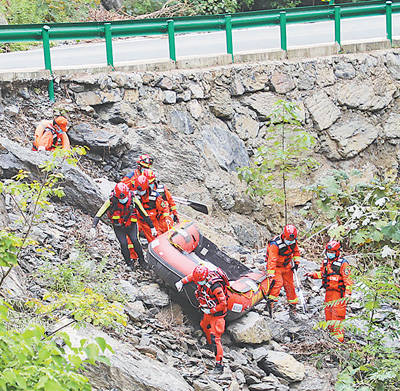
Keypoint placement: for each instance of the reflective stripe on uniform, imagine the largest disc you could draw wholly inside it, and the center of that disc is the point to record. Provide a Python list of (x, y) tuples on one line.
[(116, 217), (294, 301), (274, 298)]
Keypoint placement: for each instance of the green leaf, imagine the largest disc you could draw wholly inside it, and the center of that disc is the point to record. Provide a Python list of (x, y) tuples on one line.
[(101, 342)]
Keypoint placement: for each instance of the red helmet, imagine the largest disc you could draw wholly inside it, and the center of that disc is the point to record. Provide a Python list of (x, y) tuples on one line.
[(121, 191), (333, 247), (200, 273), (150, 174), (289, 232), (145, 161), (141, 184)]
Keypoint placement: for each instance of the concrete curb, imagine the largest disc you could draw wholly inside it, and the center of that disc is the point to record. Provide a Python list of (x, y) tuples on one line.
[(198, 62)]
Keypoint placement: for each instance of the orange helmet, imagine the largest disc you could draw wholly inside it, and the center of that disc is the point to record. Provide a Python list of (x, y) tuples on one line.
[(62, 122), (141, 184), (200, 273), (145, 161), (333, 247), (121, 191)]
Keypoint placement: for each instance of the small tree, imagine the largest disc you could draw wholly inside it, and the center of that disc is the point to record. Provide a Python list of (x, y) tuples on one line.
[(284, 155)]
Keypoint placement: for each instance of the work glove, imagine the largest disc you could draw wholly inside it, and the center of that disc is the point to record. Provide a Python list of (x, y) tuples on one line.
[(176, 219), (92, 233), (206, 310), (179, 285), (154, 232), (295, 266)]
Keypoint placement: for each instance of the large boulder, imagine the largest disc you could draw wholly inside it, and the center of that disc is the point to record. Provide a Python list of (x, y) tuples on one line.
[(262, 103), (129, 370), (151, 294), (366, 96), (282, 365), (228, 149), (98, 140), (79, 188), (282, 83), (393, 64), (251, 329), (14, 285), (353, 136), (221, 103), (322, 109), (392, 126)]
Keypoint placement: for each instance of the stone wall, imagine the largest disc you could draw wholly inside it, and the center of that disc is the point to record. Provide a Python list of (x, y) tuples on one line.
[(202, 124)]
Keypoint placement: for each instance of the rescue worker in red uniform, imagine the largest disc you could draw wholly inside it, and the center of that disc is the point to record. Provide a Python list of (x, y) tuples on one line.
[(155, 207), (211, 293), (144, 162), (282, 258), (51, 134), (123, 209), (336, 279), (164, 193)]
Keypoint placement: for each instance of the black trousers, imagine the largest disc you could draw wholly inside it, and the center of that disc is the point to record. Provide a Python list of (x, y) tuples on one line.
[(132, 232)]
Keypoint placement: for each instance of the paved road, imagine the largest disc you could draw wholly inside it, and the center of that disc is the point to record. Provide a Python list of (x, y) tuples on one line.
[(200, 44)]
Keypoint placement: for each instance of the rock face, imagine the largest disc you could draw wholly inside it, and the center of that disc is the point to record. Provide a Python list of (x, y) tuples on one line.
[(283, 365), (252, 329), (80, 190), (129, 370)]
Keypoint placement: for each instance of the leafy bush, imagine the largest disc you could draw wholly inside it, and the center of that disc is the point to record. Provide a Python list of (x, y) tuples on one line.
[(364, 215), (46, 11), (31, 361), (80, 272)]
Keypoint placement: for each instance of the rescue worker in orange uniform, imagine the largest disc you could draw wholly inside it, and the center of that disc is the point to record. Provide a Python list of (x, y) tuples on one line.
[(282, 258), (144, 162), (123, 209), (211, 293), (51, 134), (155, 207), (335, 274), (164, 193)]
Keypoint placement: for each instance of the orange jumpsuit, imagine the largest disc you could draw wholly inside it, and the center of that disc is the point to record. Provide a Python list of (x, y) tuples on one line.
[(212, 296), (167, 197), (129, 179), (49, 137), (280, 260), (336, 280), (158, 212)]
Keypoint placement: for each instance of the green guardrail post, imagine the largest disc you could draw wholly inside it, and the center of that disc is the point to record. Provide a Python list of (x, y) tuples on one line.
[(337, 24), (171, 39), (47, 59), (228, 30), (389, 21), (282, 20), (109, 48)]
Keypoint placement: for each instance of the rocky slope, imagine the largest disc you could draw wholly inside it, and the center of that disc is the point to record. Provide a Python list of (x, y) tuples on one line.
[(200, 126)]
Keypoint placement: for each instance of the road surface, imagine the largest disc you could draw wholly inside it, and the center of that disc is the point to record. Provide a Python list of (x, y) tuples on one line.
[(150, 48)]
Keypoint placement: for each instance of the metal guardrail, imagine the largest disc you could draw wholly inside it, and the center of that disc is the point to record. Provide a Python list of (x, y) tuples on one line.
[(108, 30)]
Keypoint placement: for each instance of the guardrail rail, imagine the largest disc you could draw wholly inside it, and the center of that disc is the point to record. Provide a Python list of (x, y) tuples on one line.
[(172, 26)]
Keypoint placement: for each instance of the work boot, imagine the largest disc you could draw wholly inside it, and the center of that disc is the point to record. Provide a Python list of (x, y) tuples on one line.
[(219, 368), (293, 313)]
